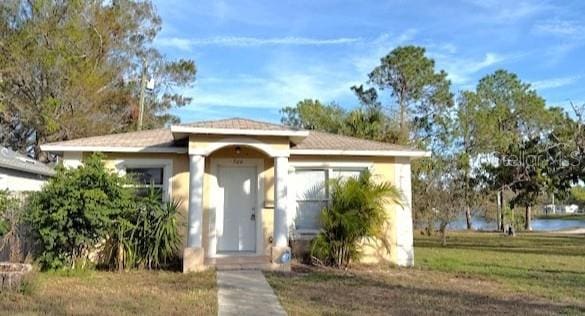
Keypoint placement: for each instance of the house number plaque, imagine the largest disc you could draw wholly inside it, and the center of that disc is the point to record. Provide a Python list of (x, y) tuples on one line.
[(238, 161)]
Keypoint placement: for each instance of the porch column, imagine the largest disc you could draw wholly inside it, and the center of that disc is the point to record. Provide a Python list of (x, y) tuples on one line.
[(280, 197), (193, 255), (403, 219), (280, 250)]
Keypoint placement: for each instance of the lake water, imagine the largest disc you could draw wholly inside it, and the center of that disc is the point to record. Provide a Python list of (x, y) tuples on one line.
[(537, 224)]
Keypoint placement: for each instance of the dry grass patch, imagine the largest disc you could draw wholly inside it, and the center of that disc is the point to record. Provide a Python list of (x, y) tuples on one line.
[(477, 273), (402, 291), (108, 293)]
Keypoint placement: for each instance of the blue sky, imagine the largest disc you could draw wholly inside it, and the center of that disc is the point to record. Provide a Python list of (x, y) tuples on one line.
[(254, 57)]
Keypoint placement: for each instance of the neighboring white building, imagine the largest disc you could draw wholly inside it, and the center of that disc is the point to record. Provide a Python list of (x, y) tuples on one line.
[(561, 209), (19, 173)]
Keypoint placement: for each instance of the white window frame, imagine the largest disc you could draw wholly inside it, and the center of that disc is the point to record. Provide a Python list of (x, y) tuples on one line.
[(165, 164), (328, 167)]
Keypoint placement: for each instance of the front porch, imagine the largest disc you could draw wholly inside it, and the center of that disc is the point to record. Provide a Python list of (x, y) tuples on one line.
[(242, 263), (238, 206)]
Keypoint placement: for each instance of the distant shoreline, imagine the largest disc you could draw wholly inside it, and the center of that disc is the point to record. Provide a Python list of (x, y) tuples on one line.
[(579, 216)]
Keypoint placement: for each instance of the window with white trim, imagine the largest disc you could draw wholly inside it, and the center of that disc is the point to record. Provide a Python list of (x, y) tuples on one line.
[(147, 173), (312, 194), (147, 177)]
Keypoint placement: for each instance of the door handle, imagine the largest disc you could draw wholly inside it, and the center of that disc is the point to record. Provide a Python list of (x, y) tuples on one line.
[(253, 216)]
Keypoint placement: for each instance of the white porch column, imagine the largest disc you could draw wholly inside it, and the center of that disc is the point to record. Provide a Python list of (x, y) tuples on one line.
[(281, 253), (193, 255), (196, 172), (403, 219), (280, 201)]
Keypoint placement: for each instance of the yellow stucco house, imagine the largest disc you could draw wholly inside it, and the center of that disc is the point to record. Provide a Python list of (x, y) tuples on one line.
[(246, 185)]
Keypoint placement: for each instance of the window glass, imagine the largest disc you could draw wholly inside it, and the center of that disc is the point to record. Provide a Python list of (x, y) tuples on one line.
[(308, 214), (146, 176), (311, 197), (310, 185), (312, 194)]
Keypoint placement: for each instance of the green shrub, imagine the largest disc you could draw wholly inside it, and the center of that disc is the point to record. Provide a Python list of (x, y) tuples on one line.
[(355, 213), (75, 210), (79, 208), (148, 237), (7, 204)]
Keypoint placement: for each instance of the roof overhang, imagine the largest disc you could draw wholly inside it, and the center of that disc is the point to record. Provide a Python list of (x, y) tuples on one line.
[(413, 154), (112, 149), (180, 131), (48, 173)]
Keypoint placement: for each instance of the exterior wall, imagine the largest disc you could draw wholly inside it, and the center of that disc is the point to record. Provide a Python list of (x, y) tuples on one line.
[(179, 182), (394, 170), (399, 219), (197, 142), (18, 181), (72, 159)]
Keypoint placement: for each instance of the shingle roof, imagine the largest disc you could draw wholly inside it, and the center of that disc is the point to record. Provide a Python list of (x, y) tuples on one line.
[(327, 141), (163, 138), (240, 123), (13, 160), (154, 138)]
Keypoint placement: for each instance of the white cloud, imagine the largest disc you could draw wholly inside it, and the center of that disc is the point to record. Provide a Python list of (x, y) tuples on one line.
[(285, 79), (557, 53), (281, 83), (497, 11), (369, 56), (563, 28), (555, 82), (461, 70), (174, 42), (243, 41)]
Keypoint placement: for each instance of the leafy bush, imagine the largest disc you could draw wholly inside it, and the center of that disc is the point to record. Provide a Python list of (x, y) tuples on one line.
[(80, 208), (7, 203), (75, 210), (356, 212)]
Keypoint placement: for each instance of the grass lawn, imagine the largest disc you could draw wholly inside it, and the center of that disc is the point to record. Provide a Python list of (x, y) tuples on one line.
[(580, 216), (479, 273), (110, 293)]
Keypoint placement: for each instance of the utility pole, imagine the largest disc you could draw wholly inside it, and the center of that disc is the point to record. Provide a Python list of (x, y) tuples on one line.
[(142, 93)]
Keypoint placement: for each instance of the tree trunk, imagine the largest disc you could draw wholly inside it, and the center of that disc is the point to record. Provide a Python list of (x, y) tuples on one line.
[(528, 221), (401, 116), (443, 234), (502, 209), (120, 257), (468, 217), (498, 210)]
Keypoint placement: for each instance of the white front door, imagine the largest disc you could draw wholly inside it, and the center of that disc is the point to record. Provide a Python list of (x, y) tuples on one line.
[(237, 217)]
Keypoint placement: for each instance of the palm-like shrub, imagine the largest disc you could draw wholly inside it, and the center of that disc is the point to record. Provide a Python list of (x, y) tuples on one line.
[(147, 236), (356, 212), (166, 239)]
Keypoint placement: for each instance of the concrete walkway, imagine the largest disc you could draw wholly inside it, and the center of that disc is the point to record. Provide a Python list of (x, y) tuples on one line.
[(246, 292)]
